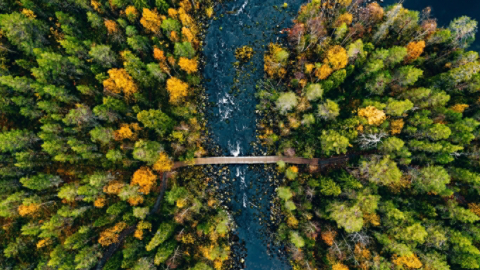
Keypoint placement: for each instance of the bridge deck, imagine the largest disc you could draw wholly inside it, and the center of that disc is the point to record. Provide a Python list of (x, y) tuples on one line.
[(247, 160)]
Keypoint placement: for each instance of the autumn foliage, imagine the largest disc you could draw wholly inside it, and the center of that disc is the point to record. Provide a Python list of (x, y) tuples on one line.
[(151, 20), (373, 115), (110, 236), (120, 81), (177, 90), (144, 178), (163, 164), (414, 49), (188, 65)]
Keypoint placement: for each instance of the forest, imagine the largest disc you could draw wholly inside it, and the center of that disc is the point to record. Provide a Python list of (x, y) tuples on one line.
[(398, 96), (99, 98)]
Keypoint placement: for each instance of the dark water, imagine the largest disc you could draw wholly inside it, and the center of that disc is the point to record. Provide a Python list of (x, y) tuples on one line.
[(232, 122), (447, 10)]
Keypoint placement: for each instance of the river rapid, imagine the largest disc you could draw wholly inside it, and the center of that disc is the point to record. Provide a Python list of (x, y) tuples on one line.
[(232, 118)]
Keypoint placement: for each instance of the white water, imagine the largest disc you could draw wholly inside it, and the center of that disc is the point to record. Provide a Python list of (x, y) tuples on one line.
[(235, 151)]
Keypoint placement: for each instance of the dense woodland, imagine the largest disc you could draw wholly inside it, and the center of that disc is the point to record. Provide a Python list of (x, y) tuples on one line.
[(98, 98), (398, 95)]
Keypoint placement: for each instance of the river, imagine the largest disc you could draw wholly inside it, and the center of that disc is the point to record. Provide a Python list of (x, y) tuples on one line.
[(232, 119)]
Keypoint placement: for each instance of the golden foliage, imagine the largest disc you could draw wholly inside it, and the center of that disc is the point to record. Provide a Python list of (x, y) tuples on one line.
[(99, 202), (96, 6), (337, 57), (163, 163), (211, 202), (474, 208), (174, 37), (135, 200), (151, 20), (292, 221), (172, 13), (308, 68), (187, 35), (111, 26), (131, 12), (126, 131), (110, 236), (113, 187), (328, 237), (145, 178), (344, 18), (28, 210), (138, 234), (28, 13), (44, 242), (271, 66), (186, 19), (188, 65), (120, 81), (244, 53), (177, 90), (339, 266), (460, 108), (414, 49), (159, 55), (396, 126), (323, 72), (142, 225), (374, 116), (171, 60), (410, 261), (209, 12), (182, 203), (373, 219), (217, 264)]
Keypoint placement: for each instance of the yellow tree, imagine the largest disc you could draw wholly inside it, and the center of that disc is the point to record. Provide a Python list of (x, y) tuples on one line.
[(374, 116), (339, 266), (111, 26), (409, 261), (110, 235), (323, 72), (120, 81), (344, 18), (127, 131), (414, 50), (145, 178), (28, 210), (163, 164), (396, 126), (177, 90), (189, 65), (187, 35), (151, 20), (337, 57)]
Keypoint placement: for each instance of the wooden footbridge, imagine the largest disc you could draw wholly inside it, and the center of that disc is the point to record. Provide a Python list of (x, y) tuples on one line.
[(249, 160)]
